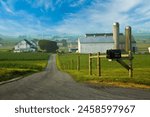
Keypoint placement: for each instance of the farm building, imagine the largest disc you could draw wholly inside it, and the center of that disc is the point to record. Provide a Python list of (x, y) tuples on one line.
[(100, 42), (149, 49), (72, 46), (25, 46), (94, 43)]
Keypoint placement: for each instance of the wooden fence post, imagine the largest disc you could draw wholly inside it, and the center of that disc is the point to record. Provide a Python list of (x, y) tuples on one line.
[(68, 66), (64, 67), (90, 64), (98, 64), (130, 65), (72, 64), (78, 62)]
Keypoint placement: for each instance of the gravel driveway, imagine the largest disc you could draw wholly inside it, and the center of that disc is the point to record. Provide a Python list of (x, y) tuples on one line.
[(53, 84)]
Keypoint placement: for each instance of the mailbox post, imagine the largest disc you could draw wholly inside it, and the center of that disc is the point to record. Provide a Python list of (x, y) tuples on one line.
[(115, 54)]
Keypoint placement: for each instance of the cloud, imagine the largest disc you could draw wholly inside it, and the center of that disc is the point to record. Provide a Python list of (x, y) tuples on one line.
[(46, 4), (124, 5), (95, 17), (6, 7), (99, 16), (25, 24), (20, 22), (12, 27), (59, 2), (77, 3)]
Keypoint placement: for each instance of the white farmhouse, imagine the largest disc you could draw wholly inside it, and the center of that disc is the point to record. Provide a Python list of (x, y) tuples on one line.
[(25, 46), (93, 43)]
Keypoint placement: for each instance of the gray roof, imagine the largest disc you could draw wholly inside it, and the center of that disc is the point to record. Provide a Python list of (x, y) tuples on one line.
[(28, 42), (100, 34), (103, 39), (99, 39)]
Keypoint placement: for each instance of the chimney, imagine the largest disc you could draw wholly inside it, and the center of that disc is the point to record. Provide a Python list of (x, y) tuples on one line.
[(128, 37), (116, 35)]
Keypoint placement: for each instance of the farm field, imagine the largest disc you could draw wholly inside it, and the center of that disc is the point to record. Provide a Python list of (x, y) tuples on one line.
[(20, 64), (143, 45), (112, 72)]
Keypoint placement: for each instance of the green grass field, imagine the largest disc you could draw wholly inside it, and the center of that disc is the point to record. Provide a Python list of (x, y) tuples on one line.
[(143, 45), (19, 64), (111, 71)]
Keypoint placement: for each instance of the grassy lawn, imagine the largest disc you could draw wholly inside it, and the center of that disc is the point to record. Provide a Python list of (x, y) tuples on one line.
[(20, 64), (112, 72)]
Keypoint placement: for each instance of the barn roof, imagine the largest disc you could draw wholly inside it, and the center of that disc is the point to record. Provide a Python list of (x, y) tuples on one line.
[(100, 34), (103, 39), (99, 39), (28, 42)]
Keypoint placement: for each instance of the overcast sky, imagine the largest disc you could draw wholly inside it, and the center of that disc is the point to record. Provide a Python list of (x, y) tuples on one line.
[(21, 17)]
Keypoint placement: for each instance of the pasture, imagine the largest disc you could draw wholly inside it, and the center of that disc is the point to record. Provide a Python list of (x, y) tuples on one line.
[(112, 72), (20, 64)]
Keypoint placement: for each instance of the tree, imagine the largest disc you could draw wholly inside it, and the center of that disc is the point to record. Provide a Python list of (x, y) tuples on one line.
[(48, 46)]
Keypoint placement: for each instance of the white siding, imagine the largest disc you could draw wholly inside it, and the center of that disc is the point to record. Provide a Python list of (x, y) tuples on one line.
[(149, 49), (79, 46), (94, 47), (23, 46)]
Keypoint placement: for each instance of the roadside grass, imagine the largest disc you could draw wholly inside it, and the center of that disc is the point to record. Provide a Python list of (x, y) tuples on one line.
[(14, 65), (30, 64), (112, 72), (7, 74)]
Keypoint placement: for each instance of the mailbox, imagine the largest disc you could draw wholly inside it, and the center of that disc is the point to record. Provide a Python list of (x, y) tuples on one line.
[(113, 54)]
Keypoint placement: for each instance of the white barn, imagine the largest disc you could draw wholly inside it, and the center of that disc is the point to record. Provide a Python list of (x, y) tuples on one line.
[(93, 43), (25, 46)]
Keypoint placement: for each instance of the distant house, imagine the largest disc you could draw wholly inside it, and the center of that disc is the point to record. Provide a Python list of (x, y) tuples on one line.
[(149, 49), (72, 47), (25, 46), (59, 44), (93, 43)]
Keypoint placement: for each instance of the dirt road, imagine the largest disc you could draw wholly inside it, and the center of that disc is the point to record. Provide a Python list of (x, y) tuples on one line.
[(54, 84)]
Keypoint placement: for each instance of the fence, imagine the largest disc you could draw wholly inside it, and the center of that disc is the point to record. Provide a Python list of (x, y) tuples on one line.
[(128, 56)]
